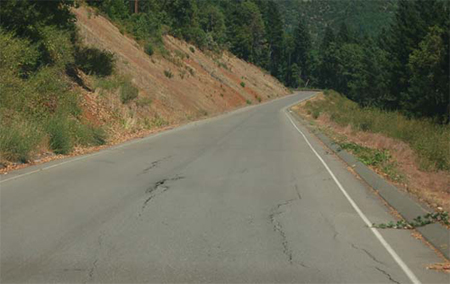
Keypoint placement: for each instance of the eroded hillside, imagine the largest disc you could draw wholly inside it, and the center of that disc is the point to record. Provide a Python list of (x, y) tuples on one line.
[(182, 85), (71, 108)]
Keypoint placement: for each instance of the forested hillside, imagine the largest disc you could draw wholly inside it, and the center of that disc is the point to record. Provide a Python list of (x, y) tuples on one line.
[(388, 54), (365, 17), (391, 55)]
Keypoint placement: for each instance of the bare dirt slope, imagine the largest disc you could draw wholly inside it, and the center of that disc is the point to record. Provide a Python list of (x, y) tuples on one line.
[(202, 84)]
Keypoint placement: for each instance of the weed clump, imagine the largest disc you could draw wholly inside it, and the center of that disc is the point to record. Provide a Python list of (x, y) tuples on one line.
[(168, 74), (128, 92), (18, 140), (58, 130)]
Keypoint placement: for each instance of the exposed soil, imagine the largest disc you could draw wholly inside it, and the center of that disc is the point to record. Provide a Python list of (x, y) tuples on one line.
[(430, 187), (211, 89), (203, 85)]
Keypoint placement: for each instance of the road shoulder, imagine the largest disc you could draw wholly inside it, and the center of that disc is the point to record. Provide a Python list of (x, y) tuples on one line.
[(435, 234)]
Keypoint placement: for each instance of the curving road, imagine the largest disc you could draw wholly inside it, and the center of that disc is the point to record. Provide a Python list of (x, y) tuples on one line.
[(237, 198)]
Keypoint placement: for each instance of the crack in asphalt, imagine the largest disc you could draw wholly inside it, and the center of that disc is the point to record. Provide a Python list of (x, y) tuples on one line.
[(92, 270), (160, 185), (153, 165), (279, 229), (388, 275), (368, 254), (298, 192), (335, 232), (335, 235)]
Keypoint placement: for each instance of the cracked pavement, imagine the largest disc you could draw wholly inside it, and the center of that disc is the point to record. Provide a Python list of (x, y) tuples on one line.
[(238, 198)]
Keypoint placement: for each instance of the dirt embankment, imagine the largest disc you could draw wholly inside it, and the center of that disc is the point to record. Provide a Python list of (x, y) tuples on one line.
[(177, 86), (184, 85)]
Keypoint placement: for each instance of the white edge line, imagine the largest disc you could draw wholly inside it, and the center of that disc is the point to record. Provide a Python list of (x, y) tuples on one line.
[(366, 220)]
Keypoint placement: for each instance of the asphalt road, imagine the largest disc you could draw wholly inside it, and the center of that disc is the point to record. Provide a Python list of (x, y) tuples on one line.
[(237, 198)]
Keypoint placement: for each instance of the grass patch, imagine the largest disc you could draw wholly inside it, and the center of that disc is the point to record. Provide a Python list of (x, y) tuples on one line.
[(144, 102), (58, 130), (107, 83), (380, 159), (128, 92), (168, 74), (18, 140), (179, 53), (429, 140), (89, 135)]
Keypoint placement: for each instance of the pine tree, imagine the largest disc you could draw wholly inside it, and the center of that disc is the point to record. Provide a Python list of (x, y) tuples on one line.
[(274, 31), (428, 92), (344, 35), (302, 41), (412, 22), (327, 71)]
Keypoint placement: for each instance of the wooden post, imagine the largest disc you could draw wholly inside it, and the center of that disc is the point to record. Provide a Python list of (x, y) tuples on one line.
[(136, 5)]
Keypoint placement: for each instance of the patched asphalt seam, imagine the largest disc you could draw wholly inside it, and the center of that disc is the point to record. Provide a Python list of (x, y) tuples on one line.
[(387, 275), (368, 254)]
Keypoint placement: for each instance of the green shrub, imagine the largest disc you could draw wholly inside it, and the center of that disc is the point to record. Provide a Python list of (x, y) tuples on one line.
[(149, 49), (56, 46), (192, 49), (58, 130), (95, 61), (128, 92), (17, 55), (242, 84), (196, 36), (249, 102)]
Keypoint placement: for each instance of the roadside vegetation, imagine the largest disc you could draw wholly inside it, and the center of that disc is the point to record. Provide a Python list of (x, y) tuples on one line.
[(413, 153), (40, 62), (428, 139)]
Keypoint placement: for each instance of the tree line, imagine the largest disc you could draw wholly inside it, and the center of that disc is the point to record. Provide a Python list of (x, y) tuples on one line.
[(405, 67)]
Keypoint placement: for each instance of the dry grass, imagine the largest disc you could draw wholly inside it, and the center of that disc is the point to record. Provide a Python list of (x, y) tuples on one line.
[(430, 185)]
